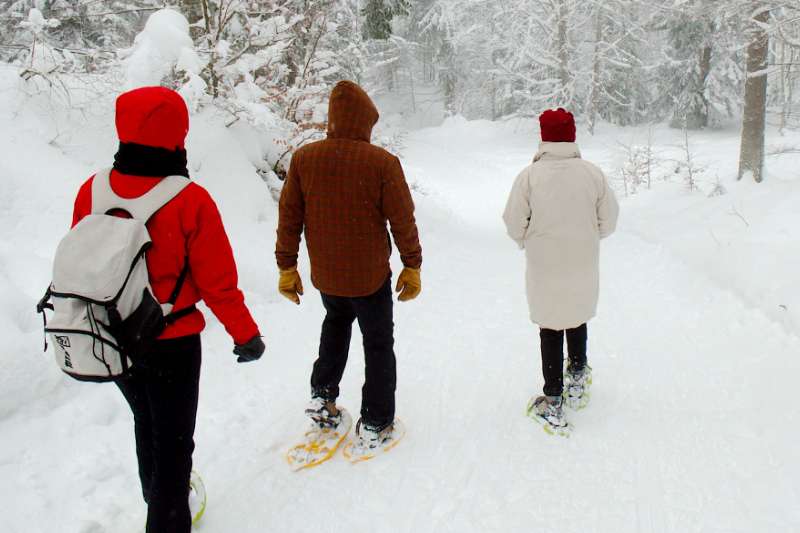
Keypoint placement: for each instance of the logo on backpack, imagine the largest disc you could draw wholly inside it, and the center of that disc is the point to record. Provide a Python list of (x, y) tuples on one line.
[(63, 341), (67, 360)]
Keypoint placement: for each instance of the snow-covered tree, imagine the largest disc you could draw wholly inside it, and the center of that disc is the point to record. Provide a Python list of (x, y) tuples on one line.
[(784, 79), (89, 29), (701, 63), (378, 16), (539, 57), (273, 62), (618, 90)]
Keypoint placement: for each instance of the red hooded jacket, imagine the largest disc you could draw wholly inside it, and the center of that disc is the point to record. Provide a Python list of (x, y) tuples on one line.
[(187, 228)]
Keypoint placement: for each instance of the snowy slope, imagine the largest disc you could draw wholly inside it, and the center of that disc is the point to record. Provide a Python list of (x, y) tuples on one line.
[(690, 428)]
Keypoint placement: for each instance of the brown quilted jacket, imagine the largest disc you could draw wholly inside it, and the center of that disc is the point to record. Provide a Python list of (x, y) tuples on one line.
[(341, 191)]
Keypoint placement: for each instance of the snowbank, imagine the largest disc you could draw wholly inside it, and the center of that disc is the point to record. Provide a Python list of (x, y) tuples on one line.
[(745, 240), (161, 49), (55, 151)]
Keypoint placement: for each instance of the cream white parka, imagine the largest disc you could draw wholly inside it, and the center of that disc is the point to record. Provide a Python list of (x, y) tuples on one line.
[(559, 209)]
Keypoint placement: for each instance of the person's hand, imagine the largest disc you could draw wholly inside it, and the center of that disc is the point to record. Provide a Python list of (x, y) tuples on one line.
[(409, 284), (252, 350), (290, 285)]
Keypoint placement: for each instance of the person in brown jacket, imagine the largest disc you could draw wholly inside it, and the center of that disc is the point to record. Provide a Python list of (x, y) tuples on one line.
[(340, 192)]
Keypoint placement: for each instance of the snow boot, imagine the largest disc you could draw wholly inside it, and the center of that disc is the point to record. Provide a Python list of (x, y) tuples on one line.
[(328, 429), (369, 441), (371, 437), (324, 413), (576, 387), (549, 412)]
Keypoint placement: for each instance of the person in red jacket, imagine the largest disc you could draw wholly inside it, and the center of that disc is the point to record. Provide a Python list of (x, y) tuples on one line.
[(188, 236)]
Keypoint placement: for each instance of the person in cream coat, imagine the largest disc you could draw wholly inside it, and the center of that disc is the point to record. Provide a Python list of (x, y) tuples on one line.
[(558, 210)]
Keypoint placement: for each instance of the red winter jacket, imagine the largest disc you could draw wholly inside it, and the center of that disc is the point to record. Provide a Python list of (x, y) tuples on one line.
[(188, 228)]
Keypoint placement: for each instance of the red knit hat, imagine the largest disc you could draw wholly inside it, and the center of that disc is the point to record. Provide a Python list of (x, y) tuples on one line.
[(152, 116), (557, 126)]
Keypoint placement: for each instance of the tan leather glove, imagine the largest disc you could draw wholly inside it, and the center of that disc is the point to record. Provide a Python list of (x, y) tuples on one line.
[(409, 284), (290, 285)]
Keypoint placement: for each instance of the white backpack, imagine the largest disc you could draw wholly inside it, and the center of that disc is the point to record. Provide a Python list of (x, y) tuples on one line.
[(104, 313)]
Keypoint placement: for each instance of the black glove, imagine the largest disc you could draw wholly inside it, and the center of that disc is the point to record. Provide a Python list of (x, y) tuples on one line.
[(252, 350)]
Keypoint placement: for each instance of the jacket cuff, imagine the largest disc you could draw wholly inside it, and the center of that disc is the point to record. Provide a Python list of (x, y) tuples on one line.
[(412, 262), (238, 341), (287, 264), (243, 329)]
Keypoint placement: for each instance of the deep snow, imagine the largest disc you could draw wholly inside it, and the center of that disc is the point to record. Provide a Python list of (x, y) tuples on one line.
[(693, 422)]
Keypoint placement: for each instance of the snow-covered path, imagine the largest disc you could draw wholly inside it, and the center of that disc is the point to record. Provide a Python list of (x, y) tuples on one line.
[(687, 429)]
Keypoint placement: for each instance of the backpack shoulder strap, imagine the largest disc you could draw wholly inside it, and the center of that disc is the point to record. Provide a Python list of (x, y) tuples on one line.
[(104, 199)]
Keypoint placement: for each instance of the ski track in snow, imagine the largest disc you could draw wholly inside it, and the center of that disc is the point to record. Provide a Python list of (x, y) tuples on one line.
[(686, 430)]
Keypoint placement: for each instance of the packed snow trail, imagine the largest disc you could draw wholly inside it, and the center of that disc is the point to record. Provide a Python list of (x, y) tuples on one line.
[(692, 424), (685, 431)]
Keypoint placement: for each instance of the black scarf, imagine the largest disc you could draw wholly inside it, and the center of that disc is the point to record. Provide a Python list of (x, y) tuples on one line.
[(140, 160)]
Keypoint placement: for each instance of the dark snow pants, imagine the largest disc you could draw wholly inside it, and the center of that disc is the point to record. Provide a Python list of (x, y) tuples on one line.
[(552, 344), (374, 315), (162, 393)]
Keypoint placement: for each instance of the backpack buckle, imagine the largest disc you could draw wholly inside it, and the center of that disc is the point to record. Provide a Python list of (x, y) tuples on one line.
[(44, 303)]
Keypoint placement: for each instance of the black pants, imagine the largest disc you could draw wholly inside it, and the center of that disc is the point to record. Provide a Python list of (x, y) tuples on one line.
[(162, 393), (552, 344), (374, 315)]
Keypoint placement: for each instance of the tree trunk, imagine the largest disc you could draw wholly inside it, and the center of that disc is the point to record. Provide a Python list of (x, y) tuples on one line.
[(694, 115), (785, 70), (493, 92), (705, 71), (751, 158), (790, 73), (787, 84), (594, 98), (447, 78), (411, 84), (211, 43), (563, 55)]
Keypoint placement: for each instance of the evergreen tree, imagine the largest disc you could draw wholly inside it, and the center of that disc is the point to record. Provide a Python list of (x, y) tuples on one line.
[(378, 16), (700, 63)]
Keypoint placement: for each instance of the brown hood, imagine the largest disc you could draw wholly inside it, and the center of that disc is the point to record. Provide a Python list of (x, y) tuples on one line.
[(351, 113)]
